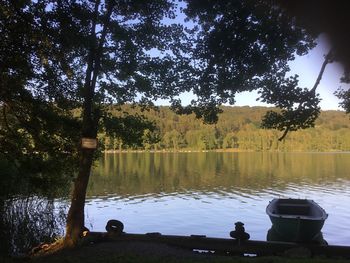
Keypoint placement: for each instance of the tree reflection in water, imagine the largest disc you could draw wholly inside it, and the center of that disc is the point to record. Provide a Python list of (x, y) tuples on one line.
[(28, 221)]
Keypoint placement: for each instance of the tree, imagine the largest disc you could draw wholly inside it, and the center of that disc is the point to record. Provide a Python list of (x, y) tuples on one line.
[(65, 55), (239, 49), (173, 140), (33, 134), (150, 139)]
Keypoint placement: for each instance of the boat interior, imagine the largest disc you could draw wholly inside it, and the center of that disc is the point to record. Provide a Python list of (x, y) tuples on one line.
[(296, 207), (293, 209)]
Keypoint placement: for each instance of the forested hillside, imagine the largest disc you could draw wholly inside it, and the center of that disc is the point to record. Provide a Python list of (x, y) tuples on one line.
[(238, 129)]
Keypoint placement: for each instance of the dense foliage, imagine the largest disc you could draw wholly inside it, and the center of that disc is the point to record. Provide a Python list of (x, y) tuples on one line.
[(35, 142), (238, 128), (238, 48)]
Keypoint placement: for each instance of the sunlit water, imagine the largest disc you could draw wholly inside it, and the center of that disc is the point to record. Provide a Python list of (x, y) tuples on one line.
[(205, 193)]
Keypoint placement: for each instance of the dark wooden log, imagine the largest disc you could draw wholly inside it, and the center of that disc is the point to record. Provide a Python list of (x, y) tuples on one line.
[(226, 246)]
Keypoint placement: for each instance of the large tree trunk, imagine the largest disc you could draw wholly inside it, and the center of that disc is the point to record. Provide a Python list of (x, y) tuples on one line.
[(75, 220), (91, 115)]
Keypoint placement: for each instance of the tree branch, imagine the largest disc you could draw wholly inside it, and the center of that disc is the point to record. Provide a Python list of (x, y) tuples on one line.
[(327, 59), (98, 55), (92, 50), (88, 90), (99, 50), (284, 133)]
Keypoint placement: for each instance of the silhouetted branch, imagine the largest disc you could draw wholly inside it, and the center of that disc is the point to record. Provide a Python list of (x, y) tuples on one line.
[(327, 60), (284, 133)]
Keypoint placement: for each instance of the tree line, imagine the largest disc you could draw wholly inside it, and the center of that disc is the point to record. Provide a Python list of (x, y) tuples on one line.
[(238, 128)]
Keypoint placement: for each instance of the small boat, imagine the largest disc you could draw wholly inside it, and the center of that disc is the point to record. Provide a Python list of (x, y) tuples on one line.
[(296, 220)]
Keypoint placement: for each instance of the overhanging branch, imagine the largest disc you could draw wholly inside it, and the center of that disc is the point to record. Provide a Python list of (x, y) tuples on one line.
[(327, 59)]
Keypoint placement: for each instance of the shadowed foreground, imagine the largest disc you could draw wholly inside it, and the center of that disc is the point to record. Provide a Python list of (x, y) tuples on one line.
[(152, 252)]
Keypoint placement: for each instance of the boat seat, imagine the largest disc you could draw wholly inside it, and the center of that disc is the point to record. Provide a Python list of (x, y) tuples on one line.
[(293, 209)]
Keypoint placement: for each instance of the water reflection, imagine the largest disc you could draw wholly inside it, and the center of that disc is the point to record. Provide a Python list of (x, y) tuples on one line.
[(205, 193), (273, 235), (28, 221), (132, 174)]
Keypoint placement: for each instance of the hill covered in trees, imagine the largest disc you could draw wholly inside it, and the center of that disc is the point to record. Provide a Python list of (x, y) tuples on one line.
[(238, 128)]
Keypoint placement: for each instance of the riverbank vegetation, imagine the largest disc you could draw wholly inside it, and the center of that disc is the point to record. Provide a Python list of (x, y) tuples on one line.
[(237, 129)]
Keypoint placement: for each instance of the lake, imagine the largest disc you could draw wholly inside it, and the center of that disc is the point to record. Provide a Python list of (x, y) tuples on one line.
[(206, 193)]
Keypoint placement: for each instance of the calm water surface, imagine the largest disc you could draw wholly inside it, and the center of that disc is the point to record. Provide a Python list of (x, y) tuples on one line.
[(205, 193)]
